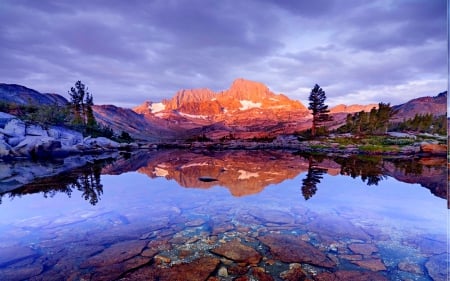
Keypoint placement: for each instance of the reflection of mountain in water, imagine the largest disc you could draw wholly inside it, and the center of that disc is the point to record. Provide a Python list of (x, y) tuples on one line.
[(249, 172), (242, 172)]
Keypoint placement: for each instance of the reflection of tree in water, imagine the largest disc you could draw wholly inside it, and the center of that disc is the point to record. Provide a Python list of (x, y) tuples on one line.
[(86, 180), (368, 168), (313, 177), (409, 166)]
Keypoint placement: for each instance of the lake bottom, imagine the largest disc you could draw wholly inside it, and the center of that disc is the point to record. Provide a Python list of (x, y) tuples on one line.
[(204, 238)]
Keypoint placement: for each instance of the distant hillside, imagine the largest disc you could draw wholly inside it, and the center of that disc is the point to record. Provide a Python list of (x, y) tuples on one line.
[(436, 105), (124, 119), (22, 95)]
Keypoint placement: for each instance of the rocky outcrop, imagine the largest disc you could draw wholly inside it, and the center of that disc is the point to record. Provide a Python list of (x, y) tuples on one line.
[(18, 139), (433, 148)]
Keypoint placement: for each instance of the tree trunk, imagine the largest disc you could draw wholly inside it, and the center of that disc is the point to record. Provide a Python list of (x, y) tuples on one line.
[(313, 128)]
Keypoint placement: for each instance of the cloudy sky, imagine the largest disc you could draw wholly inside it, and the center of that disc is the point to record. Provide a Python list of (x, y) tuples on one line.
[(127, 52)]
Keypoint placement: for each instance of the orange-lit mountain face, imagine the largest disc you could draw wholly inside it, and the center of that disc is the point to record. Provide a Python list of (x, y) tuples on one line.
[(247, 110)]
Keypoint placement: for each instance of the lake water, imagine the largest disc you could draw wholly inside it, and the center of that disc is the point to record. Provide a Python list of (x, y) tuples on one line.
[(237, 215)]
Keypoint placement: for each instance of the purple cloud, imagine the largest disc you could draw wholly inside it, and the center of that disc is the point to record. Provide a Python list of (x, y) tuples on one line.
[(128, 52)]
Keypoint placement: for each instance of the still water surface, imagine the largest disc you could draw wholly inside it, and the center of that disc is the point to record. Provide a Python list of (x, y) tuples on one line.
[(240, 215)]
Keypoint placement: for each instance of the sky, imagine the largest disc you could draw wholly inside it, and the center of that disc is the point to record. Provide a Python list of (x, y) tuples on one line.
[(127, 52)]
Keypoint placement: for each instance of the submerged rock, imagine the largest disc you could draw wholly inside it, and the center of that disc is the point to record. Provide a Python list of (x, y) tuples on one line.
[(294, 273), (197, 270), (13, 254), (114, 271), (337, 227), (364, 249), (117, 253), (410, 267), (238, 252), (437, 267), (292, 249), (347, 275), (22, 273), (273, 216), (371, 264)]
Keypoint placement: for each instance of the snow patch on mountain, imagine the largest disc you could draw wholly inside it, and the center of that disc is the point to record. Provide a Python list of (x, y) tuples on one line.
[(157, 107), (247, 104), (193, 116)]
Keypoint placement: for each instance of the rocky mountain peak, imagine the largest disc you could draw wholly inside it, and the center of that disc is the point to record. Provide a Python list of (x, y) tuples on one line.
[(190, 96), (143, 108), (248, 90)]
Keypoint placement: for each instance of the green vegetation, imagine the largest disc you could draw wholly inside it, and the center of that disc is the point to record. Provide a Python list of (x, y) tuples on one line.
[(422, 123), (374, 148), (125, 137), (319, 110), (369, 123), (43, 114)]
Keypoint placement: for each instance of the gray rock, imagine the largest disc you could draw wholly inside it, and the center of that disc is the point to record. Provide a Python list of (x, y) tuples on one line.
[(27, 145), (5, 118), (13, 141), (101, 142), (5, 149), (37, 146), (14, 128), (67, 137), (36, 130)]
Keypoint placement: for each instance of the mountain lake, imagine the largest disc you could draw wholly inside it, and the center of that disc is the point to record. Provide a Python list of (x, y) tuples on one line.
[(230, 215)]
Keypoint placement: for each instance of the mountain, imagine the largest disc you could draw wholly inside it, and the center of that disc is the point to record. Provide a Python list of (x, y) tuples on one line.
[(124, 119), (243, 96), (435, 105), (246, 110), (342, 108), (22, 95)]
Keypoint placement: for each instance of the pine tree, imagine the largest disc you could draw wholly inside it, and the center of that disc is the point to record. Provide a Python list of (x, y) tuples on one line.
[(319, 109), (76, 99), (81, 102), (91, 123)]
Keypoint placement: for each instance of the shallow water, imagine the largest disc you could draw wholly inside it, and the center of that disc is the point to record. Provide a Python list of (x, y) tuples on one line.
[(264, 216)]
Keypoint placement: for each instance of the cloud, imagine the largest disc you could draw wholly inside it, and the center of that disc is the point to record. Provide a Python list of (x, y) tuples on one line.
[(128, 52)]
